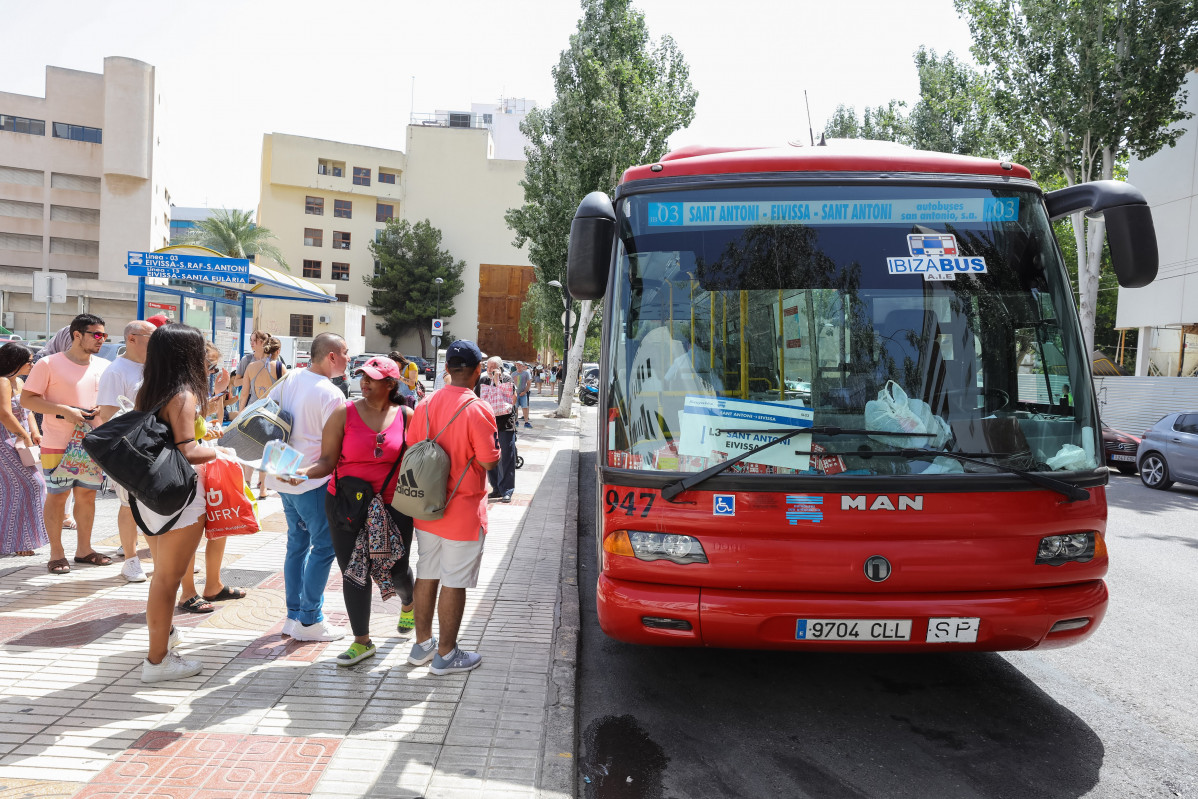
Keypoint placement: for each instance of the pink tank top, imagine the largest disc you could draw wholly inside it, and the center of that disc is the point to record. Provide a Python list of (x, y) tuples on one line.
[(358, 448)]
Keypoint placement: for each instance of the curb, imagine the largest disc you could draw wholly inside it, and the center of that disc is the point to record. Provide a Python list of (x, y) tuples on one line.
[(558, 777)]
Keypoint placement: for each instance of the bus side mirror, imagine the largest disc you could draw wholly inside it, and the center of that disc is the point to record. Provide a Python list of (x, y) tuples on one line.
[(592, 235), (1129, 229)]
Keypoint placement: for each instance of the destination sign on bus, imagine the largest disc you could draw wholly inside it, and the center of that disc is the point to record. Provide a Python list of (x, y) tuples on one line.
[(706, 423), (832, 212)]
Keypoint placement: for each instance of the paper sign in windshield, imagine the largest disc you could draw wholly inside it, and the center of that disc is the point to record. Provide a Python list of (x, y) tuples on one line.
[(707, 423), (831, 212)]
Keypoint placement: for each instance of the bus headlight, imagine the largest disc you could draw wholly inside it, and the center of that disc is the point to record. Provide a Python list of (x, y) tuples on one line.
[(667, 546), (1056, 550)]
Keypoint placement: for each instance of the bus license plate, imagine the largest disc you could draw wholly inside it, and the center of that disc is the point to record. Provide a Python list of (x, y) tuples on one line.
[(1131, 458), (853, 630), (960, 631)]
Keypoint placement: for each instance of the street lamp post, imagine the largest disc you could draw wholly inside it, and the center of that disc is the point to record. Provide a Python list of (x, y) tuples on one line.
[(561, 384), (437, 339)]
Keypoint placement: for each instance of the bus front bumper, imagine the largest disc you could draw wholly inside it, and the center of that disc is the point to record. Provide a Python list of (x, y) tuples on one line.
[(669, 615)]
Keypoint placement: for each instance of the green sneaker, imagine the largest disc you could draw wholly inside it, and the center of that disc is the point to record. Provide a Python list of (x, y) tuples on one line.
[(407, 621), (356, 652)]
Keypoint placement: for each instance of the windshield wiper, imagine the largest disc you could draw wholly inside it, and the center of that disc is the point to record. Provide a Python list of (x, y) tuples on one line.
[(672, 490), (1074, 493)]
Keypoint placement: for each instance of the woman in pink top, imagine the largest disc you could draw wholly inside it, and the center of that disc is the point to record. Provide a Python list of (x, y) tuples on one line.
[(365, 439)]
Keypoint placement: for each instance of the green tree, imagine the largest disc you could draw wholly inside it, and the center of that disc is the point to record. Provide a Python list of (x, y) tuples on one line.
[(234, 234), (618, 97), (955, 113), (1084, 83), (405, 295)]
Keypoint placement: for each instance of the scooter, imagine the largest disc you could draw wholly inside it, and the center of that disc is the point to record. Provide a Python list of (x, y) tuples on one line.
[(589, 393)]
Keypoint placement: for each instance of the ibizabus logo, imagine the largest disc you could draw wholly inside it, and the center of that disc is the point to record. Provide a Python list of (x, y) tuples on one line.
[(804, 508)]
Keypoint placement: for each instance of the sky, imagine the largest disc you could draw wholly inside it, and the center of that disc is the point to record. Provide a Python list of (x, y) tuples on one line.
[(353, 71)]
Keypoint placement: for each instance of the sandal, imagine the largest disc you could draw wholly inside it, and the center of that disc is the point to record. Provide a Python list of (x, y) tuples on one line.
[(59, 566), (69, 524), (197, 604), (228, 592), (95, 559)]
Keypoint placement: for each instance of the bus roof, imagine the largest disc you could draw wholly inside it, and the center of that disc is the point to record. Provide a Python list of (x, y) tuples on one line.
[(838, 155)]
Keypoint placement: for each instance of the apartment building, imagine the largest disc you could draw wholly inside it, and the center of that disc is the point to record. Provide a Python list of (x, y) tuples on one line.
[(326, 201), (1166, 310), (80, 185)]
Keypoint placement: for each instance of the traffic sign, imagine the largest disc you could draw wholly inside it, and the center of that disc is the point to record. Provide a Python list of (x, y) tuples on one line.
[(49, 287), (187, 267), (438, 327)]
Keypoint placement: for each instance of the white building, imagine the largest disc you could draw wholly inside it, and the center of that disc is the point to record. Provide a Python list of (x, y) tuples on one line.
[(80, 185), (1166, 311)]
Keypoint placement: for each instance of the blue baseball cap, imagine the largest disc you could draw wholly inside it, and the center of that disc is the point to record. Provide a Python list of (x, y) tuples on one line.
[(465, 351)]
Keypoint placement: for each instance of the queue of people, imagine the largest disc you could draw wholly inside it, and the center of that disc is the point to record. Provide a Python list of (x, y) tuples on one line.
[(170, 370)]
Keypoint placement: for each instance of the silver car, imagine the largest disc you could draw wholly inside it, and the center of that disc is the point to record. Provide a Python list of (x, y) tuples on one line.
[(1169, 452)]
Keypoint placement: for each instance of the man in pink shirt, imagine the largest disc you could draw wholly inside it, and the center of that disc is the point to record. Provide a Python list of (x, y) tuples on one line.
[(63, 388), (451, 548)]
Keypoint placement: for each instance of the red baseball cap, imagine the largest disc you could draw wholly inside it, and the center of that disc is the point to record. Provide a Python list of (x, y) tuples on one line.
[(379, 368), (158, 320)]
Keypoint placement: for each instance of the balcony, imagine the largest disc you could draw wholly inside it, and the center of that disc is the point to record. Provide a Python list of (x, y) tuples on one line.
[(452, 119)]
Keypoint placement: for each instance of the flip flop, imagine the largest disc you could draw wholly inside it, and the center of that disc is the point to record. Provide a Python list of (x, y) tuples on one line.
[(197, 604), (95, 559), (228, 592), (69, 524), (59, 566)]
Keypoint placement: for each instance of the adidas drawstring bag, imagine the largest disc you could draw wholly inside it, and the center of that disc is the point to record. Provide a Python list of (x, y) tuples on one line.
[(424, 475)]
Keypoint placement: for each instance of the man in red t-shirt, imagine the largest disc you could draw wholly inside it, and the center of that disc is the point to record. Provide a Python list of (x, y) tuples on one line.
[(451, 548)]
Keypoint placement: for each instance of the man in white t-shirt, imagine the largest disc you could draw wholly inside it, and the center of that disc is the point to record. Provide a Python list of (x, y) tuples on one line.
[(123, 379), (310, 397)]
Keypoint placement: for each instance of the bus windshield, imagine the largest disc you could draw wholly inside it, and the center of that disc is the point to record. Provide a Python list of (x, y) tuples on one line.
[(940, 315)]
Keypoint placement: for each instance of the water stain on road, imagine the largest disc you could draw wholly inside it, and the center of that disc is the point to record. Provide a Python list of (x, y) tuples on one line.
[(620, 761)]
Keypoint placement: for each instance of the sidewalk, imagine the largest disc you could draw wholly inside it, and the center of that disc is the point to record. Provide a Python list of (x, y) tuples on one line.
[(273, 717)]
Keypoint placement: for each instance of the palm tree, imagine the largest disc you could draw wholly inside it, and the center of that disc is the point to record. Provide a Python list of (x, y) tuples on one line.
[(234, 234)]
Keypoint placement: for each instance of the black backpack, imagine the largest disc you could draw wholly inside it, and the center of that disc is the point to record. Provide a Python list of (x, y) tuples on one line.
[(137, 451)]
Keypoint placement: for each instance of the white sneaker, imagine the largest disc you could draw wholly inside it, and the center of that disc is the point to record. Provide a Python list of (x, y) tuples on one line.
[(172, 667), (320, 631), (423, 652), (175, 638), (289, 627), (133, 572)]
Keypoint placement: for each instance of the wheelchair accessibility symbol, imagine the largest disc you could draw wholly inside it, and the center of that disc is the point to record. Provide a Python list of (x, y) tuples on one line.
[(724, 505)]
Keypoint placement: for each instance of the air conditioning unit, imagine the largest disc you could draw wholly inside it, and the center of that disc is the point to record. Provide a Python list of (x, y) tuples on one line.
[(10, 319), (325, 319)]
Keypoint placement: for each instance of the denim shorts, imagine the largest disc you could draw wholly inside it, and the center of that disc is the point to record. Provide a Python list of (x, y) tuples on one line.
[(522, 401)]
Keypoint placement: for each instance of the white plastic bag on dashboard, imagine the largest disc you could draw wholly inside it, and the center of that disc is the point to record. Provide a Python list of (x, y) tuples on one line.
[(938, 429), (1068, 458), (891, 412)]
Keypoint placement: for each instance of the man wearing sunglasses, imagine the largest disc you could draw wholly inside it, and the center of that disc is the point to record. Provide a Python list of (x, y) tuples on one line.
[(63, 388)]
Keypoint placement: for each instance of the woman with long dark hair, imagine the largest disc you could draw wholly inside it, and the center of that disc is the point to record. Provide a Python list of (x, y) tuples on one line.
[(176, 389), (22, 492), (365, 439)]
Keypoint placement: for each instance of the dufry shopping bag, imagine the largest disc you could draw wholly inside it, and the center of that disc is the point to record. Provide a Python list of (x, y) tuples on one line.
[(232, 509)]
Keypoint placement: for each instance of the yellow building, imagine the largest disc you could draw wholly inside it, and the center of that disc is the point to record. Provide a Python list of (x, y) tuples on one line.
[(325, 201), (80, 185)]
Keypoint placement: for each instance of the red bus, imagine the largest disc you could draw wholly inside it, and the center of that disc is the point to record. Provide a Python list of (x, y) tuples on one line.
[(845, 401)]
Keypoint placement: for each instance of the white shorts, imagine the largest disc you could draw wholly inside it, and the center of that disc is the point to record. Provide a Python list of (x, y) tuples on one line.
[(122, 495), (454, 563), (195, 512)]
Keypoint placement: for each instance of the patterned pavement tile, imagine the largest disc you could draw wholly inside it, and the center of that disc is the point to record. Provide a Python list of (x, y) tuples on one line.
[(36, 789), (185, 765), (260, 610), (85, 624), (276, 646), (14, 626)]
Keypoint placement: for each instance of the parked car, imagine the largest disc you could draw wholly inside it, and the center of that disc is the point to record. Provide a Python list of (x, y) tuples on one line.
[(111, 350), (1169, 451), (1120, 449)]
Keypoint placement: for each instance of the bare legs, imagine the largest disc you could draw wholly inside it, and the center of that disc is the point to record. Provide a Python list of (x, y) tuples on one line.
[(450, 607), (173, 553), (54, 511), (214, 554)]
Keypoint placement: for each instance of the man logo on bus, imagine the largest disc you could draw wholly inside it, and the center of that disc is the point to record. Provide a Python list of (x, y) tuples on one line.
[(931, 246)]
